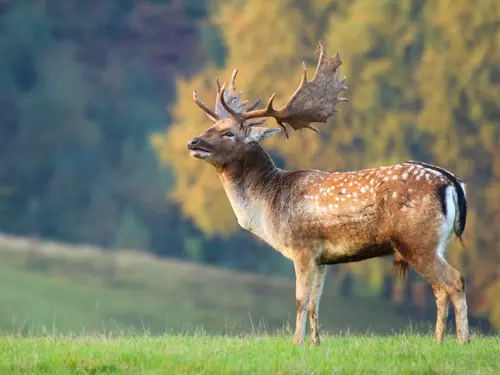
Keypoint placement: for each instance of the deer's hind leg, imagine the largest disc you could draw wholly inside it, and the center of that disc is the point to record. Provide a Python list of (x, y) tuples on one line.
[(447, 284), (454, 284), (442, 302)]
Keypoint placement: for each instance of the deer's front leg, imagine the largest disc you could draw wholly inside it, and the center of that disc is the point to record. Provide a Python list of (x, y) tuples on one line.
[(313, 307), (304, 273)]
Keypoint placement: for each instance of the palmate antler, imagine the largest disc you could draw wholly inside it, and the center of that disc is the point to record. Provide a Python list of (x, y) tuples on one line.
[(313, 101), (228, 98)]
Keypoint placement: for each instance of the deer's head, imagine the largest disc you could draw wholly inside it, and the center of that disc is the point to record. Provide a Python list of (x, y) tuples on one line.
[(226, 141), (236, 126)]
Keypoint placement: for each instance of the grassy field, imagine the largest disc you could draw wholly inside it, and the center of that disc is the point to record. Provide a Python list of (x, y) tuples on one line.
[(83, 311), (46, 288), (201, 354)]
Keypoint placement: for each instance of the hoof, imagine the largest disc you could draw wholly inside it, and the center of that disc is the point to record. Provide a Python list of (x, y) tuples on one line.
[(298, 341)]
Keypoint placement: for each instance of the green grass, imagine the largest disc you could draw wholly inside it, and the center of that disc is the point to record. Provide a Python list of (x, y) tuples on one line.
[(83, 311), (51, 288), (201, 354)]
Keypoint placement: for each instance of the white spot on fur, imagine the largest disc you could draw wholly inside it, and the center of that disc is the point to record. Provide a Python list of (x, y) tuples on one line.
[(395, 195), (395, 177), (434, 172)]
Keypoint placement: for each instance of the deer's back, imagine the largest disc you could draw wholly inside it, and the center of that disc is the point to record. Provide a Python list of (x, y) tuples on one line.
[(357, 215)]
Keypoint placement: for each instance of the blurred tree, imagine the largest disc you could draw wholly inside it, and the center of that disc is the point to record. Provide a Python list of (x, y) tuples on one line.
[(79, 97), (131, 234)]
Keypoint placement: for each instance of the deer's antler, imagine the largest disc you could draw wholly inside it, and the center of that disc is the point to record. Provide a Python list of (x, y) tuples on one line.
[(227, 103), (313, 101)]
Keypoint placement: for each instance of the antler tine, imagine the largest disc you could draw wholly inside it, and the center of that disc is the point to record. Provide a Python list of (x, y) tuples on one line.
[(266, 112), (232, 85), (253, 105), (304, 73), (322, 57), (211, 114)]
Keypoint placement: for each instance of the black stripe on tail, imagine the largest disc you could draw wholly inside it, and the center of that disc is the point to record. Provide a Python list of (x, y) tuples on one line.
[(459, 226)]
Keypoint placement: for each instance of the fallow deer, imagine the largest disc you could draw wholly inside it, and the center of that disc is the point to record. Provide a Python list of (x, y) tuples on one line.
[(317, 218)]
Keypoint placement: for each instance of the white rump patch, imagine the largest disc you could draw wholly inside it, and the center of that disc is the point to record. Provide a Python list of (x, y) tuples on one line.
[(448, 220)]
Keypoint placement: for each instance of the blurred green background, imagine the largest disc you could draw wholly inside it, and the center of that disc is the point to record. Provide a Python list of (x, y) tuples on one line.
[(95, 111)]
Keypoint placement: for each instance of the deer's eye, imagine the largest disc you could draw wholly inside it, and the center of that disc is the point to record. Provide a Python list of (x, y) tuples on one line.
[(228, 134)]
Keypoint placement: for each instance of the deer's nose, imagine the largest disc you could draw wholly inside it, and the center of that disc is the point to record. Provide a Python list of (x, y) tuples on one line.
[(193, 142)]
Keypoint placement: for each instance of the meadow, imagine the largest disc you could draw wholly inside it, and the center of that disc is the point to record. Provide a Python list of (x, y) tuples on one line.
[(203, 354), (80, 310)]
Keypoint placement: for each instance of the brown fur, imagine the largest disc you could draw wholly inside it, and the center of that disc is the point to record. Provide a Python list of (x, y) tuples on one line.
[(400, 269)]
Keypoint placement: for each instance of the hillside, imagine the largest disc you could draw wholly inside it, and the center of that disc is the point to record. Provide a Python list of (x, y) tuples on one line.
[(47, 286)]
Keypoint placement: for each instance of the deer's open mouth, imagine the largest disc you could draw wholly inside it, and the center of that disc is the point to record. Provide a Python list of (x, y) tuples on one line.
[(199, 152)]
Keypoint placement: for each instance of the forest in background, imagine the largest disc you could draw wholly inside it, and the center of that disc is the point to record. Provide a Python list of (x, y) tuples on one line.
[(96, 108)]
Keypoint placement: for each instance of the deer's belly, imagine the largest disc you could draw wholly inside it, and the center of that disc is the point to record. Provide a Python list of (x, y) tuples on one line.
[(346, 253)]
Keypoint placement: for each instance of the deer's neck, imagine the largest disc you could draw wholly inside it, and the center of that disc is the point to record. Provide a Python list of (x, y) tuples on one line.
[(250, 184)]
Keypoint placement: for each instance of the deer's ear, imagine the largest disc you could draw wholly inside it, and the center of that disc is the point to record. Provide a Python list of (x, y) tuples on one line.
[(258, 133)]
